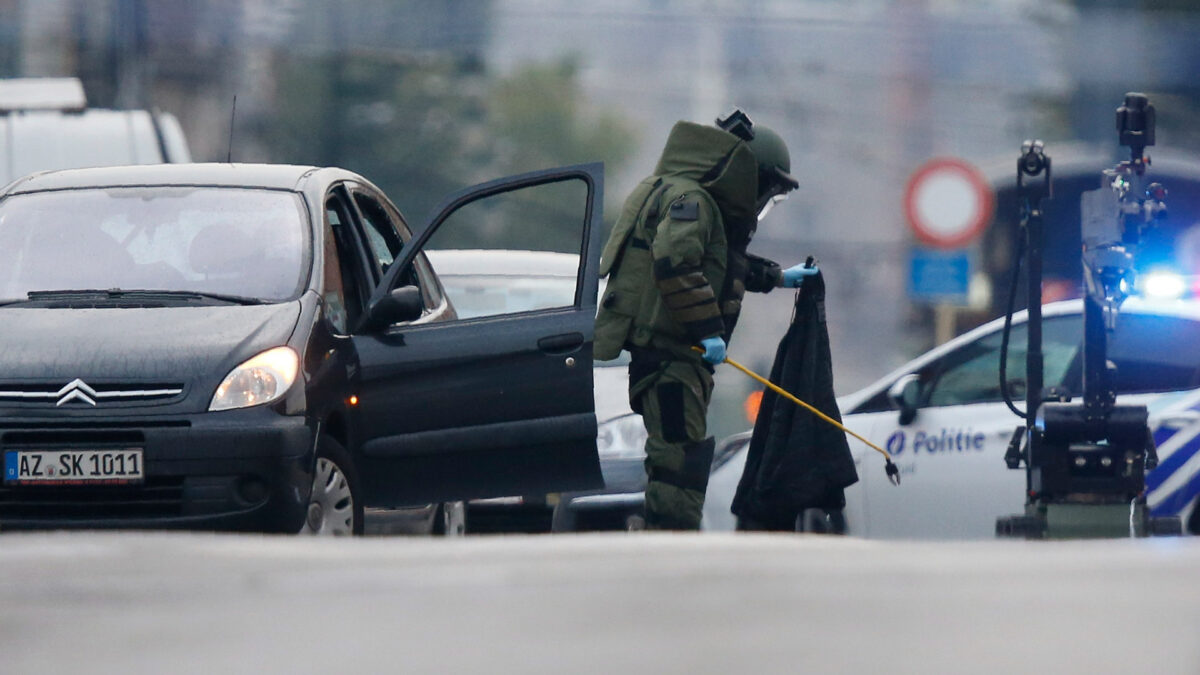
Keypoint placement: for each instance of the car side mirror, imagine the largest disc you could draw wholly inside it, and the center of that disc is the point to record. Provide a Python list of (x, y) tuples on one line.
[(402, 304), (906, 394)]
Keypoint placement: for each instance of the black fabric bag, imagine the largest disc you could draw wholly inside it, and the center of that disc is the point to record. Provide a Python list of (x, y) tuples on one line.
[(796, 460)]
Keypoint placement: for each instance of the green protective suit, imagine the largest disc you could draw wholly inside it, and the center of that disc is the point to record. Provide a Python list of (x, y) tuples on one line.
[(678, 269)]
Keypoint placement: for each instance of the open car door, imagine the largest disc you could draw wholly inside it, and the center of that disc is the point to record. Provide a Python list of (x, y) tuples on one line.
[(496, 402)]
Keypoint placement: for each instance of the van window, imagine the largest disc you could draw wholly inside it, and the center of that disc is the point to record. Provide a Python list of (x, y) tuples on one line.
[(42, 140)]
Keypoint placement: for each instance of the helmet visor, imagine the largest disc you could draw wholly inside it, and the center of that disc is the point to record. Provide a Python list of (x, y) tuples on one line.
[(770, 204)]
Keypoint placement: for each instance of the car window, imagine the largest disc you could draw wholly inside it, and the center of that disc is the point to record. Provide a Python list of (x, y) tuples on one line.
[(476, 295), (1152, 354), (512, 252), (334, 291), (379, 230), (1155, 353), (342, 243), (971, 374)]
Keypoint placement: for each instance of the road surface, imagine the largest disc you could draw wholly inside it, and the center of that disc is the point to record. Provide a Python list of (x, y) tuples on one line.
[(625, 603)]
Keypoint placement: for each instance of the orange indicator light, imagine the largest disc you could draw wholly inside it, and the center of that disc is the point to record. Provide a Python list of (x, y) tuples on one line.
[(751, 405)]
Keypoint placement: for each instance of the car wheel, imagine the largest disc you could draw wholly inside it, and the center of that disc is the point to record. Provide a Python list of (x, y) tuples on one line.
[(334, 506), (563, 518), (451, 519)]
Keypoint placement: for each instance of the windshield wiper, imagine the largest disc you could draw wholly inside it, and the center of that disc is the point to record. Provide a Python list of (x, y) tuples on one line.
[(139, 294), (198, 295)]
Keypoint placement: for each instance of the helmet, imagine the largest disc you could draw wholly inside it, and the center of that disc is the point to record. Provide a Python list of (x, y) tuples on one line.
[(774, 162), (774, 166)]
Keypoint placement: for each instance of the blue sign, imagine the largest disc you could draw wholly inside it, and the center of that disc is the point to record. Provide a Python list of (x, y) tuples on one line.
[(940, 276)]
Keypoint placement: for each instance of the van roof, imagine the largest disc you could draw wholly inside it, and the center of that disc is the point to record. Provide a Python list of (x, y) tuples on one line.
[(48, 139), (42, 93)]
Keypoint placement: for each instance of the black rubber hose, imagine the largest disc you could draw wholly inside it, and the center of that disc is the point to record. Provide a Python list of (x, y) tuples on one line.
[(1012, 299)]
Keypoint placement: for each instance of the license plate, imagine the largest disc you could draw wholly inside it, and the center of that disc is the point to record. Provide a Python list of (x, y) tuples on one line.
[(111, 466)]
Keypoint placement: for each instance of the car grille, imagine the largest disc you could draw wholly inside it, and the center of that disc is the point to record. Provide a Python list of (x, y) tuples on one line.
[(82, 436), (158, 497), (79, 394)]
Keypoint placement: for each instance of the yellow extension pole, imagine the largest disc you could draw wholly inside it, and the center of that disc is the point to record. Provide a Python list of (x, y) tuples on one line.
[(892, 473), (782, 392)]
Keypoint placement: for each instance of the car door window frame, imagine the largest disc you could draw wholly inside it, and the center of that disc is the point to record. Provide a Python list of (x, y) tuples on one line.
[(431, 286), (399, 235), (584, 287)]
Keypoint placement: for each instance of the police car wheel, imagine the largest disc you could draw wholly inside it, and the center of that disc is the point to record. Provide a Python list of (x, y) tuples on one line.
[(450, 519)]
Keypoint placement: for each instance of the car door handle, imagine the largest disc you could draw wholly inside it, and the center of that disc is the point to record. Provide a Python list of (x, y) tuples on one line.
[(561, 344)]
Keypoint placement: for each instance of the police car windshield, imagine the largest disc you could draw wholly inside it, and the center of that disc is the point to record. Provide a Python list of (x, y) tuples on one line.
[(233, 241)]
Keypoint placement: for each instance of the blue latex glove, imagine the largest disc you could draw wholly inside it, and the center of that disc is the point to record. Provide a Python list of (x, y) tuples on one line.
[(793, 277), (714, 349)]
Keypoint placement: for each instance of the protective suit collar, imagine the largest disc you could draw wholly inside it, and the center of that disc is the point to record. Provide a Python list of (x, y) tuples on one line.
[(720, 162)]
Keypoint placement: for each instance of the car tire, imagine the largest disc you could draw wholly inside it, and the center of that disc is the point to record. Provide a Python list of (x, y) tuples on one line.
[(450, 519), (635, 522), (335, 505)]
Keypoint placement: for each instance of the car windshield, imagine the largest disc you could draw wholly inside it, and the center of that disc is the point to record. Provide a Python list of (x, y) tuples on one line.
[(231, 241)]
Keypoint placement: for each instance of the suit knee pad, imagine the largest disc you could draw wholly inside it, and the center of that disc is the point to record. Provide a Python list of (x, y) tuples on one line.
[(697, 464)]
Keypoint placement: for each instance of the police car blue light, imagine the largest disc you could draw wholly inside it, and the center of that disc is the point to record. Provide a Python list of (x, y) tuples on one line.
[(1163, 284)]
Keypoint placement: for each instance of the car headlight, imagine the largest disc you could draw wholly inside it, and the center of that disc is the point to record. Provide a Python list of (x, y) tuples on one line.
[(622, 438), (260, 380)]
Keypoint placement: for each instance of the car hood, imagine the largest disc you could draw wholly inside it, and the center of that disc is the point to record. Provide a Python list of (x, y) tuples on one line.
[(162, 344)]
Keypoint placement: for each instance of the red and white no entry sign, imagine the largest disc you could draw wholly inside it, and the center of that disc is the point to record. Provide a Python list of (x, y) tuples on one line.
[(948, 202)]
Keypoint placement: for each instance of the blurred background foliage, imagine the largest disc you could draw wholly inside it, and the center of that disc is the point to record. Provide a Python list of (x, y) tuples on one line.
[(422, 128)]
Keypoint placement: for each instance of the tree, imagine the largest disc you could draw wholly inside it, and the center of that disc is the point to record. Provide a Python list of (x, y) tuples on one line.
[(424, 126)]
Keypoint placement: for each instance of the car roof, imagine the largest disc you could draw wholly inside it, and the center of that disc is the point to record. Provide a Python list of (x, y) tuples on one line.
[(500, 262), (270, 176), (1184, 309), (1187, 309)]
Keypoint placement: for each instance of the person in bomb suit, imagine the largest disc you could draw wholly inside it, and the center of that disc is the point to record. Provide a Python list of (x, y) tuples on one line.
[(678, 269)]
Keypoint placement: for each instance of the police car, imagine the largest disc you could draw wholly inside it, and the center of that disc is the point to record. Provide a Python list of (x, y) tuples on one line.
[(943, 419)]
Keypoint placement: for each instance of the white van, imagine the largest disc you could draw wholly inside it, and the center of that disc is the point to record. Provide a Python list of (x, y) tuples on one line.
[(45, 124)]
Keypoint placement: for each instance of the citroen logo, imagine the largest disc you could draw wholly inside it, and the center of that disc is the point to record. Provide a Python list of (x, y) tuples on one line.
[(76, 390)]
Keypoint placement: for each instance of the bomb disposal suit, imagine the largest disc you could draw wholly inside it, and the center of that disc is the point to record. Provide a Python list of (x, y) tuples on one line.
[(678, 269)]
